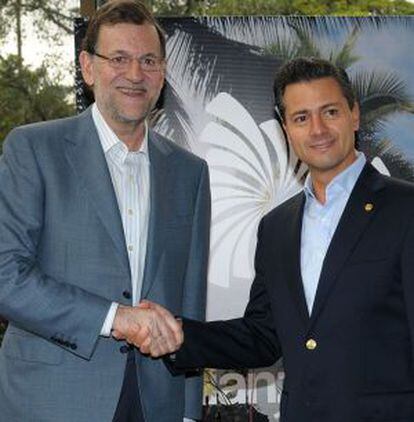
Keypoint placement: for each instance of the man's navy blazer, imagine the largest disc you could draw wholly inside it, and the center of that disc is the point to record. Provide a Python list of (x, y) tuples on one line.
[(352, 360)]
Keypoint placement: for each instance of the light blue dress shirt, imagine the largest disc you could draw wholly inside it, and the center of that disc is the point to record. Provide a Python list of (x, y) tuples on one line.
[(130, 177), (319, 224)]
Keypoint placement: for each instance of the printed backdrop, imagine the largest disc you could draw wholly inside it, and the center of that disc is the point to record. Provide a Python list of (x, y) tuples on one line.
[(218, 103)]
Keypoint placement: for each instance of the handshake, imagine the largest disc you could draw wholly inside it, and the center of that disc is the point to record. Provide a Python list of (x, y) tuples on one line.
[(150, 327)]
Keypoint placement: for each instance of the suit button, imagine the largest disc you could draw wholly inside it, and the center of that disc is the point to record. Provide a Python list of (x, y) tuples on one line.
[(126, 294), (73, 346), (369, 207), (311, 344), (124, 349)]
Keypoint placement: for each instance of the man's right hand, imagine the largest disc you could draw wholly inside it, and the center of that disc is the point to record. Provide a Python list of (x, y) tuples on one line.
[(150, 327)]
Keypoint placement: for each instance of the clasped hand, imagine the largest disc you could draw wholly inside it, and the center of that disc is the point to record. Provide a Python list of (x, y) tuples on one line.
[(150, 327)]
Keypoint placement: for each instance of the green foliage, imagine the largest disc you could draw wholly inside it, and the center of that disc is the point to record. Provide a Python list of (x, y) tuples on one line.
[(50, 18), (281, 7), (54, 12), (178, 7), (28, 95)]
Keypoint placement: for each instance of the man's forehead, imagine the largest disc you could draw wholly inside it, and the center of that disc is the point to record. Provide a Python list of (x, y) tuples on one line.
[(310, 83), (114, 32), (324, 90)]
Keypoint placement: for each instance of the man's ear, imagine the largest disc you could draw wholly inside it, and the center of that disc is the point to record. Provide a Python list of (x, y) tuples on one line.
[(355, 116), (86, 64)]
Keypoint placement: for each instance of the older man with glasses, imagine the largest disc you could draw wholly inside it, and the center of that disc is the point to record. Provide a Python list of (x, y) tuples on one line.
[(97, 213)]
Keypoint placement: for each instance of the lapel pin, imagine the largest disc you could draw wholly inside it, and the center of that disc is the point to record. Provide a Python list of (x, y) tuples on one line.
[(369, 207)]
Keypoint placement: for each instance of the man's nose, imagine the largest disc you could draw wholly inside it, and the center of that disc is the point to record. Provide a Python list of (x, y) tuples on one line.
[(318, 125), (134, 72)]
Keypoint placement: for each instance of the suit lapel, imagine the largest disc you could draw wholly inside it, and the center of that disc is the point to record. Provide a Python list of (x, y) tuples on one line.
[(292, 233), (159, 188), (359, 211), (87, 158)]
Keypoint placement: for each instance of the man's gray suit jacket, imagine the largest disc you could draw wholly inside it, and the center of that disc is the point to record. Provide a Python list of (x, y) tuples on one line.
[(63, 260)]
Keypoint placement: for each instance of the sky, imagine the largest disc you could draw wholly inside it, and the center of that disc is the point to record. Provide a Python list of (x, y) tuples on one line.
[(35, 49), (396, 42)]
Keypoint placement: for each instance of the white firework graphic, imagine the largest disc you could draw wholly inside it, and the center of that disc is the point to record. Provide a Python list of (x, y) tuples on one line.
[(252, 170)]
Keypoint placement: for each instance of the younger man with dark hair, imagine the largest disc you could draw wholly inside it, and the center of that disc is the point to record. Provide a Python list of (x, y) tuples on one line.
[(334, 288), (96, 213)]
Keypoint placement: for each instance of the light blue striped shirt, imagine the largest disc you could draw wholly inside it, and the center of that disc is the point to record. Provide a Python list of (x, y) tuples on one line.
[(130, 177), (130, 174), (319, 224)]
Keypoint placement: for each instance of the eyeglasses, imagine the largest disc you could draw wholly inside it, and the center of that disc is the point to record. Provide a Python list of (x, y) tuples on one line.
[(122, 62)]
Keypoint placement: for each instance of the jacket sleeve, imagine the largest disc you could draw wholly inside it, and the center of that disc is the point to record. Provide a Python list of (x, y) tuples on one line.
[(247, 342), (33, 301)]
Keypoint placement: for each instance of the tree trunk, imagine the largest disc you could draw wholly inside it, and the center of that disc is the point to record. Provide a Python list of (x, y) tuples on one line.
[(19, 35)]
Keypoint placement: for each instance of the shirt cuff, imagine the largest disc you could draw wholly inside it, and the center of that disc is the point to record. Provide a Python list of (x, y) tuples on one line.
[(189, 420), (109, 320)]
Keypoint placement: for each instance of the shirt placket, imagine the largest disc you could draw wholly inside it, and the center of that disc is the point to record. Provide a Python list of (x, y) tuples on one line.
[(319, 243), (130, 217)]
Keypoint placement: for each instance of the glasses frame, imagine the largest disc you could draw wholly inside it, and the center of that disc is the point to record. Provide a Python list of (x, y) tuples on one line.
[(111, 61)]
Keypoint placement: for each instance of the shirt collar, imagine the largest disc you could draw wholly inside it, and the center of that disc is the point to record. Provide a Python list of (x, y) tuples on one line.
[(108, 138), (344, 181)]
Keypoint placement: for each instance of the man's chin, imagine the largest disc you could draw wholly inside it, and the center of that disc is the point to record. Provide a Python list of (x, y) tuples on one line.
[(132, 119)]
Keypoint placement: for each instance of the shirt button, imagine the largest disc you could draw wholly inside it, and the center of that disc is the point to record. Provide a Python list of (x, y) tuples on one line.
[(311, 344), (130, 248), (130, 212), (126, 294)]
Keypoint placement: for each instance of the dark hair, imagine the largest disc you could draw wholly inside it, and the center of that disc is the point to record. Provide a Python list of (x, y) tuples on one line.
[(308, 69), (120, 11)]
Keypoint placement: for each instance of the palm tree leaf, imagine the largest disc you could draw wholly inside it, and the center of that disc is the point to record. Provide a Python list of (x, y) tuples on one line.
[(331, 25), (380, 94), (394, 160), (306, 43), (345, 57), (173, 124), (285, 49)]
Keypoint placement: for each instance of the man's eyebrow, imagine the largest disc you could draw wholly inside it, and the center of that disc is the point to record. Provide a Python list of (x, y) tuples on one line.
[(121, 52), (126, 53), (302, 111), (307, 110), (335, 103)]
